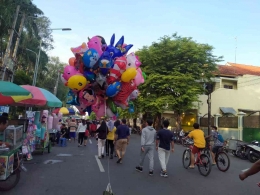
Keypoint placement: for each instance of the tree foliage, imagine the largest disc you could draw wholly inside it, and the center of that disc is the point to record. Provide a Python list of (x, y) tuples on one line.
[(174, 66)]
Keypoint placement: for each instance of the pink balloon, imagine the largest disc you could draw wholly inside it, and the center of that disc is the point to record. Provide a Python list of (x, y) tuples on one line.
[(101, 111), (95, 43), (132, 61), (139, 77), (69, 71), (96, 105)]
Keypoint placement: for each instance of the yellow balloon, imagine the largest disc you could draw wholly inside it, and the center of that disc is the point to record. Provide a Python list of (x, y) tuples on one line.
[(77, 82), (129, 74)]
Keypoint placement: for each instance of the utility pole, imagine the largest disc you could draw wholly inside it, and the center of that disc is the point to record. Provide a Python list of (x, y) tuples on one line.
[(209, 90), (209, 114), (18, 41), (7, 51)]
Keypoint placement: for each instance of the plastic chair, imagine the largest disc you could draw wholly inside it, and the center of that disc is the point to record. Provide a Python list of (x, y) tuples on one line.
[(63, 142)]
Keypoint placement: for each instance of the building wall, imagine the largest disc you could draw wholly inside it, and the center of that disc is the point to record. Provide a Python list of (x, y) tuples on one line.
[(246, 96)]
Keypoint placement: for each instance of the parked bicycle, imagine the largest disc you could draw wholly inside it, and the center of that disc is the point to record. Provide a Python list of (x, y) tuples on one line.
[(12, 180), (202, 160), (221, 157)]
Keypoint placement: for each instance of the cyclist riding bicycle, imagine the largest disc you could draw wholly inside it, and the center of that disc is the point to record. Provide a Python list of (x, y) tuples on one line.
[(199, 142), (217, 143)]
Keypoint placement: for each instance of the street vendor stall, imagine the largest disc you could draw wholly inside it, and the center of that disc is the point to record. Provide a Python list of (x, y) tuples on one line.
[(40, 122)]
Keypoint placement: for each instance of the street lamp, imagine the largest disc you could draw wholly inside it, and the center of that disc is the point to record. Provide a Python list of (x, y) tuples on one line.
[(38, 56)]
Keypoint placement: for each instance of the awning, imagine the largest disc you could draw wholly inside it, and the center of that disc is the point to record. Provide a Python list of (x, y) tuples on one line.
[(248, 111), (228, 110)]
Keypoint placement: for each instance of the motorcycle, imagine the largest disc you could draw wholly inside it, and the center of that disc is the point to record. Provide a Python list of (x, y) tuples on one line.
[(253, 151)]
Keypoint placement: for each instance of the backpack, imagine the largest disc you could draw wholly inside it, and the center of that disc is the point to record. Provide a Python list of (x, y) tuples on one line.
[(220, 138)]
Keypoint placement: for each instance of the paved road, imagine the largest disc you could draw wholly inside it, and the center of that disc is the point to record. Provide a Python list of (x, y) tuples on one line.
[(76, 171)]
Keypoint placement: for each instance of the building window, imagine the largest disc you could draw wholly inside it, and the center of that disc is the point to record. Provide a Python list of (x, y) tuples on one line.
[(228, 86)]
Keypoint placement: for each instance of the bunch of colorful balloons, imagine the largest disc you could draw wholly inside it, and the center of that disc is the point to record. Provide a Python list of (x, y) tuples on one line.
[(103, 77)]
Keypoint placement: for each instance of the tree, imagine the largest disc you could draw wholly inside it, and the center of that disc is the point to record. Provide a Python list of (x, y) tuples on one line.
[(47, 78), (174, 66)]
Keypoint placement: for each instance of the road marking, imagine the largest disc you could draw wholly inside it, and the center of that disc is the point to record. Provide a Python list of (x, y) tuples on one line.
[(64, 155), (101, 168), (52, 161), (90, 141), (244, 170)]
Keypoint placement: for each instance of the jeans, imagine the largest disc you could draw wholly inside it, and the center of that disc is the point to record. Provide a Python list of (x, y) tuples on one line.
[(149, 151), (163, 157), (101, 146), (109, 144), (81, 137)]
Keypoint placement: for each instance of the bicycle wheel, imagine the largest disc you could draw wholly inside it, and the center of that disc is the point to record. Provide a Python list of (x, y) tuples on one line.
[(186, 158), (222, 161), (11, 181), (205, 165)]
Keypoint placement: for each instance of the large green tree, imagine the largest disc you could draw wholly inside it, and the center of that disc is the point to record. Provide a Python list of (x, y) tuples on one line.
[(174, 66)]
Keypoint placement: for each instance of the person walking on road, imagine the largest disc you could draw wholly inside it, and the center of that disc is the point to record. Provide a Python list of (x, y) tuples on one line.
[(81, 132), (122, 137), (110, 140), (72, 129), (147, 146), (253, 170), (102, 135), (165, 139)]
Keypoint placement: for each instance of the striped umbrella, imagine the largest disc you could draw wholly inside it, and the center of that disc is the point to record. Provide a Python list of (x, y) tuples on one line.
[(41, 97), (11, 93)]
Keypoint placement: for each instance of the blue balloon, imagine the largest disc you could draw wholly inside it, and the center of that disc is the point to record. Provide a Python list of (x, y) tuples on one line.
[(105, 61), (104, 71), (74, 99), (113, 89), (90, 58), (90, 76)]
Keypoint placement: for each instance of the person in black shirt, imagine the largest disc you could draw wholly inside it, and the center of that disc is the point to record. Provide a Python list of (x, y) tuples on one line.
[(62, 133), (164, 141)]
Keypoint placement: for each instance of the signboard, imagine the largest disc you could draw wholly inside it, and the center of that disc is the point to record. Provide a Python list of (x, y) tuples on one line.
[(4, 109)]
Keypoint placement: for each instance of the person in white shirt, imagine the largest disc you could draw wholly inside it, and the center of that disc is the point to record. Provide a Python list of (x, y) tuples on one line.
[(81, 132)]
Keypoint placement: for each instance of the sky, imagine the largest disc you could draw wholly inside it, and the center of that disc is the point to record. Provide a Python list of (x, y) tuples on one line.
[(215, 22)]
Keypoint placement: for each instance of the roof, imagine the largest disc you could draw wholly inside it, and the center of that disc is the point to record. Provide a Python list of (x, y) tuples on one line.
[(233, 69)]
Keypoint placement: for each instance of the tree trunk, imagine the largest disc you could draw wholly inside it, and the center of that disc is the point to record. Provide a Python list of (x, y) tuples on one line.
[(157, 121), (134, 122), (144, 117)]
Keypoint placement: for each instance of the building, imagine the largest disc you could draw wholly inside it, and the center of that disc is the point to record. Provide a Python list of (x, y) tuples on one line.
[(236, 89)]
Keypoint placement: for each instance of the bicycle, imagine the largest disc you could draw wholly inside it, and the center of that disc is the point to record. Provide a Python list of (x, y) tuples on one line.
[(202, 161), (12, 180), (219, 157)]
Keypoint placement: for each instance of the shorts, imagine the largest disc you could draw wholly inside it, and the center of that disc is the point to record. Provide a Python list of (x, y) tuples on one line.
[(121, 144), (196, 150), (72, 134), (215, 149), (85, 137)]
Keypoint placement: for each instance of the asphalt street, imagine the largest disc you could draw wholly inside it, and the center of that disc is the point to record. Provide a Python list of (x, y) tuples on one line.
[(75, 170)]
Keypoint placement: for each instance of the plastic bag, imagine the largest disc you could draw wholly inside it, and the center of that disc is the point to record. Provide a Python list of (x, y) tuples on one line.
[(108, 190)]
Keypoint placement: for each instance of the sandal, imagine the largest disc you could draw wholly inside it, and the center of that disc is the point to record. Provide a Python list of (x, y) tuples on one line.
[(191, 167)]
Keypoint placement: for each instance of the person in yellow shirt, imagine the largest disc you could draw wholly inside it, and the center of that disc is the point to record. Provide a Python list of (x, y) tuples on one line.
[(110, 140), (199, 142)]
